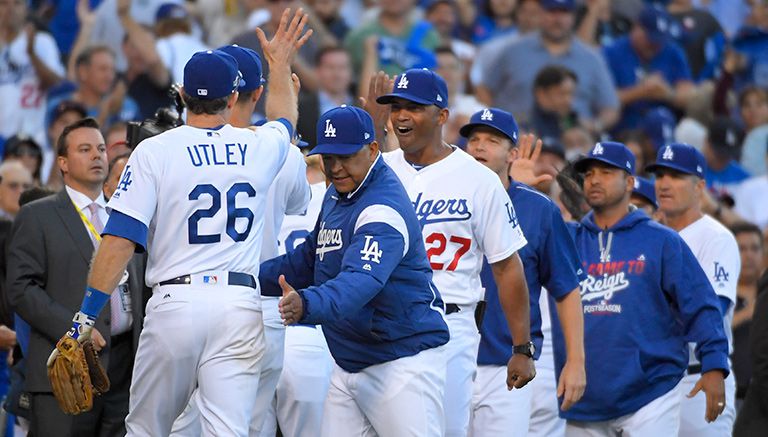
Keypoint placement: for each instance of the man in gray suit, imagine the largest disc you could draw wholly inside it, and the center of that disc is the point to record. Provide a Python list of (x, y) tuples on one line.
[(52, 243)]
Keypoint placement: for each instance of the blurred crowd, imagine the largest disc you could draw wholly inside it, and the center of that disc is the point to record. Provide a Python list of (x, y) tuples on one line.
[(573, 72)]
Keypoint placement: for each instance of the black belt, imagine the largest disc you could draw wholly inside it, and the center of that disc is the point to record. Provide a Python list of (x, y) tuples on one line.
[(235, 278), (451, 308), (694, 369)]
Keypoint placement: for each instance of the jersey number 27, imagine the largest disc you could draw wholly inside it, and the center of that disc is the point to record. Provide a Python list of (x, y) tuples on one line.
[(233, 212)]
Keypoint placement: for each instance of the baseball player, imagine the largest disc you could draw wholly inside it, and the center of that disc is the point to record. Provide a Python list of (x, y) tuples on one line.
[(644, 298), (288, 194), (549, 259), (194, 196), (465, 215), (306, 376), (644, 196), (363, 274), (679, 171)]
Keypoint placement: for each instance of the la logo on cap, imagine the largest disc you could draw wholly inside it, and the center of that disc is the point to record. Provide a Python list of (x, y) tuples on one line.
[(598, 150), (403, 82), (202, 92), (487, 115), (330, 131), (668, 154)]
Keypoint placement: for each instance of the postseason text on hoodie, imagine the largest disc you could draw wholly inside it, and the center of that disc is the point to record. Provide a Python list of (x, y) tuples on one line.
[(644, 298)]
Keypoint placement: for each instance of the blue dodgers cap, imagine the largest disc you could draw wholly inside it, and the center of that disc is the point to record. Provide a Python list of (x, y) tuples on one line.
[(561, 5), (679, 157), (419, 85), (249, 64), (614, 154), (495, 118), (343, 131), (645, 189), (171, 11), (211, 74), (658, 24), (659, 125)]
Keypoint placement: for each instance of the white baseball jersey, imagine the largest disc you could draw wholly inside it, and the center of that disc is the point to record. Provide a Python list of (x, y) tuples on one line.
[(296, 228), (24, 102), (289, 195), (717, 251), (465, 214), (202, 193)]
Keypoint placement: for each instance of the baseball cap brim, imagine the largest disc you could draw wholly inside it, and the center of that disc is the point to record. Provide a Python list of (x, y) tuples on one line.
[(386, 99), (335, 149), (466, 130), (648, 199), (582, 164), (652, 168)]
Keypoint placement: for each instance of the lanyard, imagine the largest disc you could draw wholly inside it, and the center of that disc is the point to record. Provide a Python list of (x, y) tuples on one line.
[(87, 223)]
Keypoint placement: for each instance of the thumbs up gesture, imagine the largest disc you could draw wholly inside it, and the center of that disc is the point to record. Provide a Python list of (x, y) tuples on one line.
[(291, 306)]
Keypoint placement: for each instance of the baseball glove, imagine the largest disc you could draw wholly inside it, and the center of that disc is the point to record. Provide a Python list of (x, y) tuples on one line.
[(76, 374)]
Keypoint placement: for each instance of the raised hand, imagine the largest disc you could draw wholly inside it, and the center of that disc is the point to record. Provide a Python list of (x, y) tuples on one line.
[(288, 38), (379, 85), (523, 168)]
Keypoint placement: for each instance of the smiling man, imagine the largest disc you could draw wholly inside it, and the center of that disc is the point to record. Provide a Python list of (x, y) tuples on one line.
[(644, 298), (363, 275), (679, 171), (465, 215)]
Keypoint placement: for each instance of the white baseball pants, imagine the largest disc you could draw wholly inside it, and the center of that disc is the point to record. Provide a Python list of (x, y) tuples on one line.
[(660, 417), (497, 411), (461, 357), (400, 398), (303, 385), (208, 336)]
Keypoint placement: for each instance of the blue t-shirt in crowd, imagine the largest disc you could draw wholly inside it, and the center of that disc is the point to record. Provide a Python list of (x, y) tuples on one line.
[(724, 180), (628, 70), (550, 259)]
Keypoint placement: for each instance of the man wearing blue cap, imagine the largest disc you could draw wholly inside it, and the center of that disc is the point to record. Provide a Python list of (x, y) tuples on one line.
[(644, 196), (289, 193), (680, 184), (649, 68), (194, 196), (644, 298), (363, 274), (465, 215), (550, 260)]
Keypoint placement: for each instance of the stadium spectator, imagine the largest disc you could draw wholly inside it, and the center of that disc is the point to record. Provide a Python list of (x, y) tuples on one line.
[(14, 178), (600, 22), (29, 66), (702, 38), (176, 42), (750, 240), (753, 108), (496, 18), (64, 113), (404, 41), (334, 79), (552, 113), (750, 197), (97, 88), (577, 141), (328, 12), (444, 16), (504, 84), (26, 151), (722, 150), (649, 68)]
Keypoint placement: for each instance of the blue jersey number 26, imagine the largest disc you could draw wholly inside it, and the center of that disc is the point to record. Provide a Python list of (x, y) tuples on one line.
[(233, 212)]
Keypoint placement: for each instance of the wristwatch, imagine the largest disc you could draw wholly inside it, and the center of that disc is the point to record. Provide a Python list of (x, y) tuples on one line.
[(527, 349)]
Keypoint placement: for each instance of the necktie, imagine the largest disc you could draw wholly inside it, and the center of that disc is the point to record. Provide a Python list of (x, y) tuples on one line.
[(121, 320)]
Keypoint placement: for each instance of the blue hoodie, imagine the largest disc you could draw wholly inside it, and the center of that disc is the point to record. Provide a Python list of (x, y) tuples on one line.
[(363, 274), (644, 298)]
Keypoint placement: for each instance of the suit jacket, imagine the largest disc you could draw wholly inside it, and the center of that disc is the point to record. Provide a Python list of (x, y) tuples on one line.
[(753, 416), (48, 261)]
